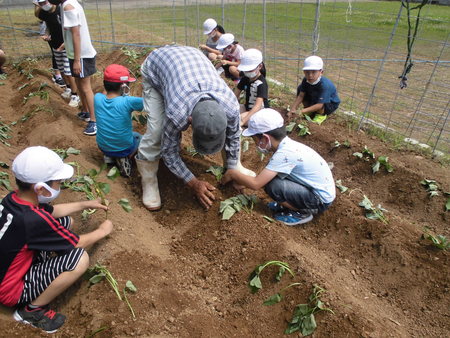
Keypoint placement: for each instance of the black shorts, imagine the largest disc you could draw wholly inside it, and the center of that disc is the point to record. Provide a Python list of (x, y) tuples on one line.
[(87, 67), (46, 268)]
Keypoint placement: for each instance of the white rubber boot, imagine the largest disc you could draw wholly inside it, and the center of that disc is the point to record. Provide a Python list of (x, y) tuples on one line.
[(150, 190), (239, 166)]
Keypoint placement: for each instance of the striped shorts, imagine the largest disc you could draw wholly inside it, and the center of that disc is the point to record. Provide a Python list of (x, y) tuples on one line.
[(62, 61), (46, 268)]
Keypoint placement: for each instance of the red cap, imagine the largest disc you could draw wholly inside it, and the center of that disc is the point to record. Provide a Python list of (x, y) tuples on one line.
[(117, 73)]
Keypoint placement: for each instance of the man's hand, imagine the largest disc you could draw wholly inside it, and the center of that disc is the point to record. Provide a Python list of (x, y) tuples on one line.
[(76, 67), (95, 204), (106, 227), (203, 191)]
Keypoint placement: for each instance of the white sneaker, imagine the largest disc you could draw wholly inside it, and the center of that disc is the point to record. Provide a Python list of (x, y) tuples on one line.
[(74, 101), (220, 70), (67, 93)]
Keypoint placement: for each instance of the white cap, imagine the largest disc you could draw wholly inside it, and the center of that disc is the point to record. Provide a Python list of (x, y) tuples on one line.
[(225, 40), (250, 60), (313, 63), (40, 164), (209, 25), (263, 121)]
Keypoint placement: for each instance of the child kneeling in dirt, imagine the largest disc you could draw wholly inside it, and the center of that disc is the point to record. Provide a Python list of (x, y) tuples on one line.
[(296, 177), (40, 256), (254, 83), (317, 93), (115, 136)]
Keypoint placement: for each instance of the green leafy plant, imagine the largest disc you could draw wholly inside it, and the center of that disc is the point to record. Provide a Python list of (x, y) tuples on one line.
[(4, 180), (129, 286), (431, 186), (303, 129), (382, 161), (192, 152), (337, 144), (373, 212), (365, 154), (4, 133), (217, 171), (3, 76), (303, 319), (276, 298), (42, 94), (341, 187), (439, 241), (255, 283), (4, 165), (235, 204), (447, 204), (245, 146), (140, 118), (64, 153)]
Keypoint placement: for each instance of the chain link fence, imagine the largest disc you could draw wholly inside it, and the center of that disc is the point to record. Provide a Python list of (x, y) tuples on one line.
[(363, 44)]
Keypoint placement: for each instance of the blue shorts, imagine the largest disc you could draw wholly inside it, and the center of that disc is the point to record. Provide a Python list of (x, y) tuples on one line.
[(127, 152), (299, 196)]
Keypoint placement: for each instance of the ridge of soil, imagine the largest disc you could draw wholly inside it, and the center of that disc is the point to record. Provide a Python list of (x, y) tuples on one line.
[(191, 268)]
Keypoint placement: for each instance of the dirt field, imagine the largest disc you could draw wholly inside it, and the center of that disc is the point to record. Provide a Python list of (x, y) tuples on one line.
[(191, 268)]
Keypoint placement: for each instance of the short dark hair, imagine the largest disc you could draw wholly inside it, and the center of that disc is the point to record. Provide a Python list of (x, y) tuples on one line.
[(23, 186), (112, 86), (278, 134), (220, 29)]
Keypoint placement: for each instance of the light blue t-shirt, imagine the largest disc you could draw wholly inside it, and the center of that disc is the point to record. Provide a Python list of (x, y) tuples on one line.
[(113, 117), (303, 165)]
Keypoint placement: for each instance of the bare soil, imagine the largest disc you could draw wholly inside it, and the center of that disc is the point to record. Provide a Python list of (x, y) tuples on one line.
[(191, 268)]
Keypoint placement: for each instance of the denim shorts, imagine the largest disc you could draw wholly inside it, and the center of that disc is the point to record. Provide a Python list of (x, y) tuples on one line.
[(299, 196)]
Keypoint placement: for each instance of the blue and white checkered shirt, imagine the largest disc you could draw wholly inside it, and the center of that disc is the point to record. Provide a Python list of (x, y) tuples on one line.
[(183, 76)]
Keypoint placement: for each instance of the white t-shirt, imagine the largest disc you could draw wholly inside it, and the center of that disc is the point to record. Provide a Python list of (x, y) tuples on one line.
[(303, 165), (74, 18)]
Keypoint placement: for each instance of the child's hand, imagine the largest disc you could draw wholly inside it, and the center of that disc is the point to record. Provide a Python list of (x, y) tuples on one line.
[(202, 46), (106, 227), (238, 187), (227, 177), (95, 204)]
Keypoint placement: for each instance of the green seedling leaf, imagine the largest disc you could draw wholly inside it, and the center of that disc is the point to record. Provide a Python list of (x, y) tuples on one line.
[(274, 299), (267, 218), (262, 156), (217, 171), (4, 180), (439, 241), (255, 284), (376, 167), (290, 127), (113, 173), (97, 278), (4, 165), (280, 273), (308, 118), (433, 193), (125, 204), (309, 325), (235, 204), (104, 187), (73, 151), (358, 155), (303, 130), (447, 205), (228, 212), (340, 186), (245, 146), (129, 286)]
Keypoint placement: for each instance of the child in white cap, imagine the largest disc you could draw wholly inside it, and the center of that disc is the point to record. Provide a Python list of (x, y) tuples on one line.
[(296, 177), (214, 32), (254, 83), (316, 93), (231, 56), (40, 256)]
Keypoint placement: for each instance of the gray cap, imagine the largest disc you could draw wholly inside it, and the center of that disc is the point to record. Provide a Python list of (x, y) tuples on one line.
[(209, 125)]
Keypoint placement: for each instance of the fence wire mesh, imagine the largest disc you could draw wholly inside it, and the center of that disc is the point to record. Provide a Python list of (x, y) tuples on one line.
[(363, 45)]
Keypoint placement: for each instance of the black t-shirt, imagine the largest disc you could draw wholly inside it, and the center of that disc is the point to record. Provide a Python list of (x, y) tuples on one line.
[(54, 27), (253, 90)]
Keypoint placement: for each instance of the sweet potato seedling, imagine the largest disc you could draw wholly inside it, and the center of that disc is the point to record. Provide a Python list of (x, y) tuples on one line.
[(254, 279), (373, 212), (439, 241), (217, 171), (431, 186), (303, 129), (5, 129), (365, 154), (276, 298), (382, 161), (64, 153), (237, 203), (341, 187), (192, 152), (337, 144), (4, 180), (303, 319)]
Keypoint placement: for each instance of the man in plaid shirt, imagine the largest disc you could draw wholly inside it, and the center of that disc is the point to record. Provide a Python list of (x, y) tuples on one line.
[(182, 87)]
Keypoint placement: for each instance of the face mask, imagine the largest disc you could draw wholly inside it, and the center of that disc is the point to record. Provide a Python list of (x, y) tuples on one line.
[(125, 90), (46, 7), (212, 34), (46, 199), (251, 75), (315, 82), (266, 149)]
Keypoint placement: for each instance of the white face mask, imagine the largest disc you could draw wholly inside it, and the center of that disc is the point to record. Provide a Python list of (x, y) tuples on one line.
[(46, 199), (251, 75), (315, 82), (46, 7), (266, 149), (125, 90), (212, 34)]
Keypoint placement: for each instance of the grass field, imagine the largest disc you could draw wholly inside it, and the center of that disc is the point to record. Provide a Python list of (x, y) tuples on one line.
[(351, 43)]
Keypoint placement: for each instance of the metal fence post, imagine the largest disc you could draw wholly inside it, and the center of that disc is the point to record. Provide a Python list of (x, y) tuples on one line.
[(264, 30), (244, 21), (112, 23), (185, 23), (223, 12), (173, 23), (315, 35)]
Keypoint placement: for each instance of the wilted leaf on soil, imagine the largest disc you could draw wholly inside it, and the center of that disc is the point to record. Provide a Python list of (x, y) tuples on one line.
[(274, 299), (125, 204)]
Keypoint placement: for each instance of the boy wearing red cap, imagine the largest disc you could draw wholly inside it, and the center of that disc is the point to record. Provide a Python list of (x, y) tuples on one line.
[(115, 136), (40, 256)]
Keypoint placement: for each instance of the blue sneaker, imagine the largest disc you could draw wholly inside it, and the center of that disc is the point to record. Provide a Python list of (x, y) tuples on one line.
[(91, 128), (275, 207), (84, 115), (292, 218)]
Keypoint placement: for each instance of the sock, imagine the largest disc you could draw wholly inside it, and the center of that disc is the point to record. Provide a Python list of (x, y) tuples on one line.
[(31, 307), (58, 76)]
